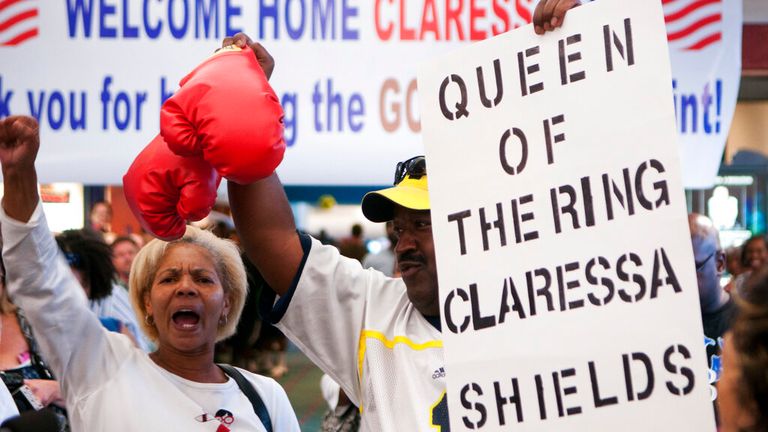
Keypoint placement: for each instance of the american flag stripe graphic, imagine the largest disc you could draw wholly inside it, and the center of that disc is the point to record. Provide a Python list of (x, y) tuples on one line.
[(693, 24), (18, 21)]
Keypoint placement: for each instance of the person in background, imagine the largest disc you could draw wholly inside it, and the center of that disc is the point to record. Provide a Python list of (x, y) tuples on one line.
[(190, 292), (271, 351), (7, 405), (733, 266), (22, 365), (717, 307), (90, 260), (743, 386), (342, 414), (384, 261), (124, 250), (100, 220), (354, 245), (733, 261), (249, 327), (754, 255)]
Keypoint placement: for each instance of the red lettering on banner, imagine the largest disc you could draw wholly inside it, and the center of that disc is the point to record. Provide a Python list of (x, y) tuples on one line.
[(474, 14), (522, 12), (384, 33), (503, 16), (406, 34), (429, 24), (453, 14), (449, 20)]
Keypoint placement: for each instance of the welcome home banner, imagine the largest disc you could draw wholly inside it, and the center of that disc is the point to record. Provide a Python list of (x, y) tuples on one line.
[(95, 72)]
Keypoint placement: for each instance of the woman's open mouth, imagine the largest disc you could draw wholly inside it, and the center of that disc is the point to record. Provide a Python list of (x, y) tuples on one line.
[(186, 319)]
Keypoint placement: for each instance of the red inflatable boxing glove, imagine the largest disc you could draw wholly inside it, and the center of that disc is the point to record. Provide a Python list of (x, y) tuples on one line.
[(165, 190), (226, 112)]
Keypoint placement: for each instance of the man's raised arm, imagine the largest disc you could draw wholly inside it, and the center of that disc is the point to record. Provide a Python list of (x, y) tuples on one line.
[(264, 222), (261, 211)]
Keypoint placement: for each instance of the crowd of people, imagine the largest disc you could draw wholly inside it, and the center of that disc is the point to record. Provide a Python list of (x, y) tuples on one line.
[(122, 336)]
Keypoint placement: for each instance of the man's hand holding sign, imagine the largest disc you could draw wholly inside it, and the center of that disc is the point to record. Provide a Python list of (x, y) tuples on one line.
[(567, 289)]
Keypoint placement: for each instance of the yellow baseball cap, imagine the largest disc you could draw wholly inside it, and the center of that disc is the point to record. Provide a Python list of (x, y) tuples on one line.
[(410, 191)]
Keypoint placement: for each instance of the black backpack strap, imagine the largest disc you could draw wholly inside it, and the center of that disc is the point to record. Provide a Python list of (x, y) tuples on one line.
[(247, 388)]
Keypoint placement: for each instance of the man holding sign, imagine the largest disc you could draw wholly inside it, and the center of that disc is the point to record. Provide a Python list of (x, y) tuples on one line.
[(378, 337)]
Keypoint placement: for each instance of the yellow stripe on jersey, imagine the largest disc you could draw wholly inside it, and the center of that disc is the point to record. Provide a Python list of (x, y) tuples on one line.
[(389, 343)]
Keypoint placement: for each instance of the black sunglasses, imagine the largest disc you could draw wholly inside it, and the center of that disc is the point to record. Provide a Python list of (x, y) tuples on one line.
[(414, 167)]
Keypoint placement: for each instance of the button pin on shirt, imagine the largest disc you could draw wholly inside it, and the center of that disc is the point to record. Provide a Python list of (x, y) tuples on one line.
[(224, 417)]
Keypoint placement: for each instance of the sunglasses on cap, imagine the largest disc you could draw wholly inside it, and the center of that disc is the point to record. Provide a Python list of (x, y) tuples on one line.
[(415, 167)]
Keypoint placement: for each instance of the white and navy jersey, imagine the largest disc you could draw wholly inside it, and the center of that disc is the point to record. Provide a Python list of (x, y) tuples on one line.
[(360, 328)]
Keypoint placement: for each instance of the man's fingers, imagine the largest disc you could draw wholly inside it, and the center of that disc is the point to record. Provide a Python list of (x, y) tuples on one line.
[(227, 41), (242, 40), (3, 133), (538, 22), (24, 127), (14, 128), (261, 52), (550, 14), (559, 13), (264, 57), (546, 14)]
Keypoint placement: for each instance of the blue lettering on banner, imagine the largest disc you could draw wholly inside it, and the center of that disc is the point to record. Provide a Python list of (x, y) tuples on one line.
[(212, 19), (122, 109), (289, 102), (106, 10), (231, 11), (53, 108), (82, 10), (699, 113), (5, 100), (297, 16), (129, 31), (331, 103), (348, 12), (178, 17), (204, 17), (153, 31), (165, 91), (178, 32), (321, 18), (294, 32)]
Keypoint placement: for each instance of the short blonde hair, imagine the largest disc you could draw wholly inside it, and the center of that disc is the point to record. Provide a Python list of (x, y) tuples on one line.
[(229, 266)]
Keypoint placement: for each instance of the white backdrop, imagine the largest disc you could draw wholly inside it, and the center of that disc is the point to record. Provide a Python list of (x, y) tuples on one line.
[(94, 71)]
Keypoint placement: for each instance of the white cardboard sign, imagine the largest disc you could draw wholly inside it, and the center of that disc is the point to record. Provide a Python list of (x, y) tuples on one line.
[(567, 286)]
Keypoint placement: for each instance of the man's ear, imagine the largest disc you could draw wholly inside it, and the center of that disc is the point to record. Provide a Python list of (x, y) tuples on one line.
[(720, 262)]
